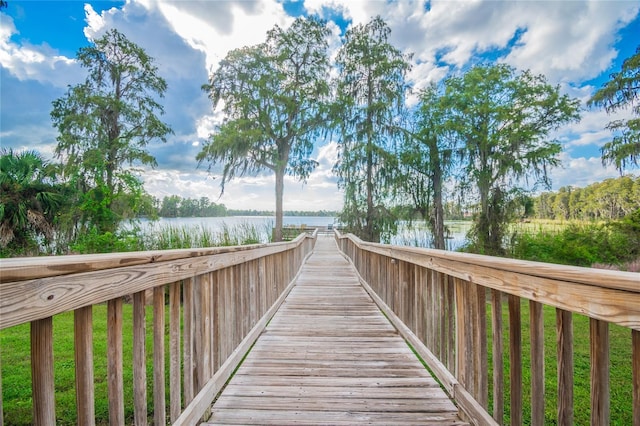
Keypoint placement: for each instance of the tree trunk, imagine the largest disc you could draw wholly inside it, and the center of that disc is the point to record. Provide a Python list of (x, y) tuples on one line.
[(277, 234), (438, 210)]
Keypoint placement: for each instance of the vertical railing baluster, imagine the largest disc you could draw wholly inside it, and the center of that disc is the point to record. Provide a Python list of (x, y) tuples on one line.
[(1, 403), (115, 387), (564, 329), (536, 327), (482, 357), (635, 367), (139, 360), (498, 362), (599, 339), (83, 356), (44, 410), (159, 401), (175, 394), (188, 340), (515, 360)]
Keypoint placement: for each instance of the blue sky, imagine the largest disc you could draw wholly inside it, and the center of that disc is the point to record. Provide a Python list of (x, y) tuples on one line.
[(576, 44)]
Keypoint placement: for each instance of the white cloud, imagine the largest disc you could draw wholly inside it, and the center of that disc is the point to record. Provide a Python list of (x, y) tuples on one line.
[(357, 11), (580, 172), (574, 49), (34, 62), (215, 28)]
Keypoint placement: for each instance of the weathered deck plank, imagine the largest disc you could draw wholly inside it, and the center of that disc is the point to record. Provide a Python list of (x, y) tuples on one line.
[(329, 356)]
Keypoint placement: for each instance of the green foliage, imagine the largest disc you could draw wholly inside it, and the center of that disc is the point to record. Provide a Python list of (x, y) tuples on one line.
[(106, 123), (622, 91), (611, 199), (370, 96), (176, 206), (427, 157), (502, 121), (93, 241), (615, 243), (274, 96), (169, 237), (30, 199)]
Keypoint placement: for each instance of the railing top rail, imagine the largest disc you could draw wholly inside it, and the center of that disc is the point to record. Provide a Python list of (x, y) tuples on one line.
[(41, 291), (26, 268), (438, 259)]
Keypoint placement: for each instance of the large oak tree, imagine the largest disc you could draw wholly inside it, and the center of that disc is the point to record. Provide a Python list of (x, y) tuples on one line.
[(273, 97), (503, 121)]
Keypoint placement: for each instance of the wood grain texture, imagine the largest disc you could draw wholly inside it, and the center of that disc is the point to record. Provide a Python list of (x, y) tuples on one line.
[(83, 355), (599, 343), (159, 404), (515, 360), (175, 391), (564, 330), (441, 260), (569, 288), (536, 330), (330, 356), (635, 365), (498, 363), (19, 269), (139, 360), (42, 295), (44, 411), (115, 383)]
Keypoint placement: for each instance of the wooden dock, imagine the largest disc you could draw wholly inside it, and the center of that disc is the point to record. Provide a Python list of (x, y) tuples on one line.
[(329, 356)]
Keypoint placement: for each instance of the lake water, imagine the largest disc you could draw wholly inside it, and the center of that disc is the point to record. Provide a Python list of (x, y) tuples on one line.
[(416, 234)]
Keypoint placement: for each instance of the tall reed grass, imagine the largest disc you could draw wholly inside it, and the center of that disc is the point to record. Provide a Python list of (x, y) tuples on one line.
[(182, 236)]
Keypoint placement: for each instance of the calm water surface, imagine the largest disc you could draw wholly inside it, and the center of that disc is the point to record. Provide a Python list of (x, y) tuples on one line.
[(416, 234)]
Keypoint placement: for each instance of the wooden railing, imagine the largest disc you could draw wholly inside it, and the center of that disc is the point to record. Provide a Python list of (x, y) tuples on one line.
[(219, 300), (449, 306)]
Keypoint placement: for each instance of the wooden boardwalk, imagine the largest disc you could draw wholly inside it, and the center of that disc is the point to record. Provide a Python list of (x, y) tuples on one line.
[(329, 356)]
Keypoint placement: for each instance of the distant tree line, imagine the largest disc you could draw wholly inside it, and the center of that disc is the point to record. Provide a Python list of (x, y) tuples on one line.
[(611, 199), (176, 206), (299, 213)]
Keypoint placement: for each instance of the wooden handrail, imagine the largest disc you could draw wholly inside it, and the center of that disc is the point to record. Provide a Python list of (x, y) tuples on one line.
[(441, 300), (217, 299)]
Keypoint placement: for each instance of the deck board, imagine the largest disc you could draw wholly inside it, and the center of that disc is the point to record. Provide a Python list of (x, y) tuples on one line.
[(329, 356)]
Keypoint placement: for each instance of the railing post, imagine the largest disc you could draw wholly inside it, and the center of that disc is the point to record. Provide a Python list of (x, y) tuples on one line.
[(536, 327), (564, 328), (44, 411), (139, 360), (83, 353), (174, 343), (599, 372), (515, 359), (159, 404), (498, 362), (188, 341), (635, 367), (114, 362)]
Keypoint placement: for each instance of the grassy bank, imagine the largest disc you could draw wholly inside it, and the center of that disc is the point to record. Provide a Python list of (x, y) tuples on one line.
[(613, 245), (172, 237)]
